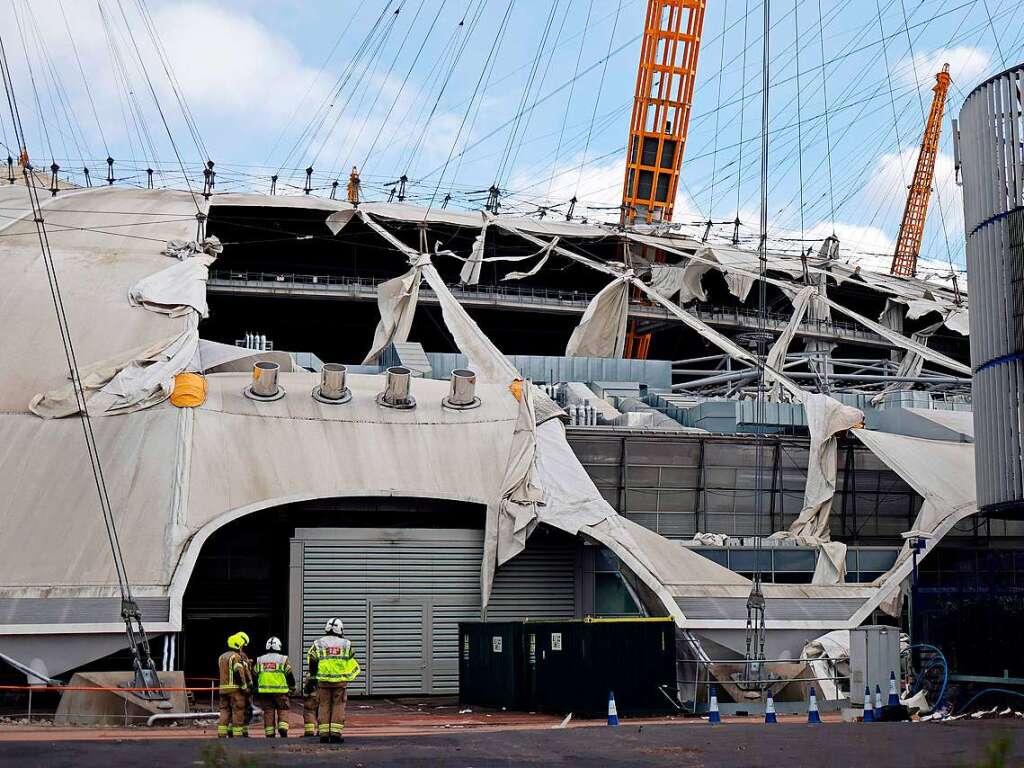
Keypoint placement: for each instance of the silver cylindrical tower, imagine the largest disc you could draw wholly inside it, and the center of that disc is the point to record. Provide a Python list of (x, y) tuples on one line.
[(991, 162)]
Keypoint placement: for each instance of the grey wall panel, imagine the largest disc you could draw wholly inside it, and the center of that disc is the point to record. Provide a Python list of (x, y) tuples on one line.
[(78, 610), (402, 593)]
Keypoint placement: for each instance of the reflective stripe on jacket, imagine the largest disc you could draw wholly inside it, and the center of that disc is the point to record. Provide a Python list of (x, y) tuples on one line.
[(331, 660), (234, 672), (272, 672)]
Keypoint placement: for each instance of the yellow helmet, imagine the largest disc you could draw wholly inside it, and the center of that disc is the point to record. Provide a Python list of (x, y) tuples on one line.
[(236, 641), (245, 638)]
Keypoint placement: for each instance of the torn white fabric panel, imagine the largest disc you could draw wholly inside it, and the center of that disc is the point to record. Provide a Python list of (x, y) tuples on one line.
[(693, 275), (141, 379), (543, 253), (666, 280), (958, 320), (176, 290), (213, 356), (520, 494), (829, 659), (942, 473), (739, 284), (776, 358), (830, 566), (710, 539), (910, 366), (470, 274), (602, 329), (396, 301), (819, 351), (185, 249), (826, 418)]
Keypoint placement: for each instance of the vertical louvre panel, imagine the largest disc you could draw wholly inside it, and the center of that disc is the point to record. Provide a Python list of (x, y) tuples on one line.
[(402, 594)]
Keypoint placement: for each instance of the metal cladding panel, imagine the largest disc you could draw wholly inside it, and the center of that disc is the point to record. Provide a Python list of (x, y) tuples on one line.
[(77, 610), (403, 592), (989, 150)]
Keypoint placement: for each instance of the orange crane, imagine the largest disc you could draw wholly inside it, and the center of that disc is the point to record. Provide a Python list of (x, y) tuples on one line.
[(908, 244), (661, 115)]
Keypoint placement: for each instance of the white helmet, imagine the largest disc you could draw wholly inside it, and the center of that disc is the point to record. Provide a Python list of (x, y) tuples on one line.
[(274, 644), (334, 627)]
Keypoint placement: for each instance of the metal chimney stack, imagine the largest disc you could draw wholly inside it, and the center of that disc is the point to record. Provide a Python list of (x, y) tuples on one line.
[(264, 384), (396, 394), (332, 389), (462, 390)]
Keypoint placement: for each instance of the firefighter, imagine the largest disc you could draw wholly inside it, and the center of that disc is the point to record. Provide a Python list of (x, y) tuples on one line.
[(310, 703), (249, 666), (235, 683), (274, 682), (333, 665)]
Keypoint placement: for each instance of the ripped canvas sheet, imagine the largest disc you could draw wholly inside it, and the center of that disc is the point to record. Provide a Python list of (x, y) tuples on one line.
[(602, 329), (177, 290)]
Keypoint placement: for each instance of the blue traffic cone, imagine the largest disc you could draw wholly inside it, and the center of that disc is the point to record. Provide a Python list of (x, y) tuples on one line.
[(869, 714), (713, 715), (812, 708), (878, 701), (769, 710), (613, 713), (894, 696)]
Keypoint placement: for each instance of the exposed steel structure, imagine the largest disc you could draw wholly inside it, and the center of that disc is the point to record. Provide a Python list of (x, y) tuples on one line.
[(661, 108), (908, 245)]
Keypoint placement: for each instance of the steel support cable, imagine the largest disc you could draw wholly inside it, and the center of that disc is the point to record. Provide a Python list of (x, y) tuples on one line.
[(32, 82), (743, 103), (995, 37), (304, 140), (26, 38), (339, 168), (65, 333), (456, 58), (172, 79), (718, 96), (364, 72), (892, 98), (531, 77), (119, 87), (85, 80), (160, 111), (799, 118), (405, 80), (572, 88), (57, 90), (492, 52), (828, 138), (924, 117), (600, 91)]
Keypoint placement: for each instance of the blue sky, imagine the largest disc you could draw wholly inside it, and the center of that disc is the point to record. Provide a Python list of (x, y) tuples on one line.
[(276, 86)]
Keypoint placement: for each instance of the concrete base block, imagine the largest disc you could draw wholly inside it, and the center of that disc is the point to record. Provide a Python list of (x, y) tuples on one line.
[(110, 706)]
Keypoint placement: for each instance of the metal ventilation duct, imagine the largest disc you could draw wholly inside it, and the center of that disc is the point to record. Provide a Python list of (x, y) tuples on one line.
[(398, 380), (462, 391), (332, 389), (264, 382)]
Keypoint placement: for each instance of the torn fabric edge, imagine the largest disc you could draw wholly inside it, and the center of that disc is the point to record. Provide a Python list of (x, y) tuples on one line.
[(896, 339), (142, 378), (176, 290), (396, 302), (910, 366), (776, 358), (602, 329), (942, 509), (470, 274)]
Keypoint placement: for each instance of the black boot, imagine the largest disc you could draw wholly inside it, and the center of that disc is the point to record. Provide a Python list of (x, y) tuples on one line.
[(283, 733), (325, 739)]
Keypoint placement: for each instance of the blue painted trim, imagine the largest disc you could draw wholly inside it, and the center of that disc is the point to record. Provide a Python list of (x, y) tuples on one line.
[(991, 220), (1003, 360)]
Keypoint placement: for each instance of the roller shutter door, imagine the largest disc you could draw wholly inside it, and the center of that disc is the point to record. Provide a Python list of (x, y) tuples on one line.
[(402, 593)]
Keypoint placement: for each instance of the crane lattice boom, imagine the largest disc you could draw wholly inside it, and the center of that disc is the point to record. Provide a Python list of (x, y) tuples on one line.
[(661, 108), (908, 245)]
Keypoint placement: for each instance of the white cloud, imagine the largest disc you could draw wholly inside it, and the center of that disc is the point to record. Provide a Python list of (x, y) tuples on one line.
[(966, 65)]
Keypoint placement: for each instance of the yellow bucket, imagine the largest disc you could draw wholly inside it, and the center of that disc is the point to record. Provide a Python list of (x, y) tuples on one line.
[(189, 390)]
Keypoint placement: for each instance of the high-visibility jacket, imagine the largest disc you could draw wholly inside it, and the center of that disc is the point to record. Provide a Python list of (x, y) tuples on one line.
[(273, 674), (234, 672), (332, 661)]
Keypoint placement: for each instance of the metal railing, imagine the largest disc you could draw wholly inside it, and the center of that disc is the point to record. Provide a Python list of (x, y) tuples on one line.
[(365, 288)]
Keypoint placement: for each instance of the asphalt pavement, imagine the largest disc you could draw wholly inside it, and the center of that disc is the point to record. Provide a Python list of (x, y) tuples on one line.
[(906, 745)]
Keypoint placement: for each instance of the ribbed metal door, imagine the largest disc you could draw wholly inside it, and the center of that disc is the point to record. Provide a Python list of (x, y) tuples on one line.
[(403, 592)]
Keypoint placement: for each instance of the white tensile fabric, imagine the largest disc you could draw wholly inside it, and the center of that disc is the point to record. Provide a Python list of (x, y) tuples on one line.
[(470, 274), (176, 290), (829, 660), (826, 418), (138, 380), (396, 301), (911, 364), (777, 354), (666, 280), (943, 473), (602, 329)]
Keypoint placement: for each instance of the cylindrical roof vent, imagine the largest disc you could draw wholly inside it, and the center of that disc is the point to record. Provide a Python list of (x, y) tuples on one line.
[(462, 391), (264, 382), (396, 389), (332, 389)]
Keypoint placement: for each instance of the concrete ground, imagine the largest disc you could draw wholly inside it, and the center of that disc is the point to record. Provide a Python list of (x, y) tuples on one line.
[(681, 744)]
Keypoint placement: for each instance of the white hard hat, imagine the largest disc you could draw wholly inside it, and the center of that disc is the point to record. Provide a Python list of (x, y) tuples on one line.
[(334, 627), (274, 644)]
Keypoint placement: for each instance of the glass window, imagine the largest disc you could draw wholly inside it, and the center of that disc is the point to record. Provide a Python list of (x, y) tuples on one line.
[(876, 559), (794, 560), (605, 561), (715, 554), (611, 598)]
